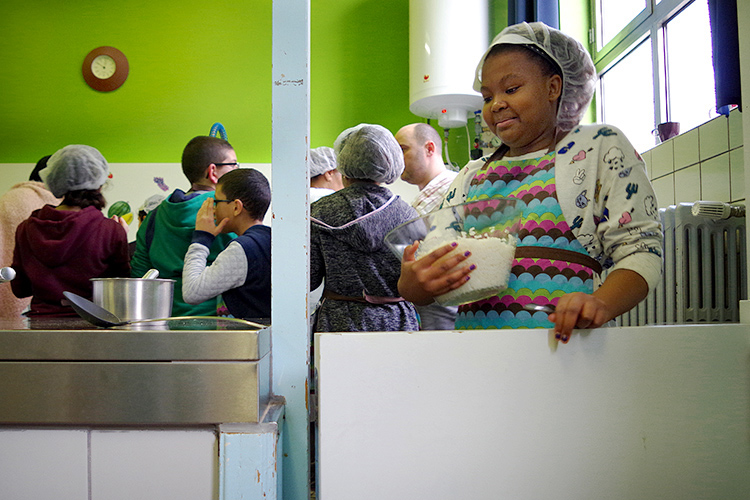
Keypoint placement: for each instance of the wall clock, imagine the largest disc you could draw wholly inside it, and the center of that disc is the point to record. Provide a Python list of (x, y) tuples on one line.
[(105, 69)]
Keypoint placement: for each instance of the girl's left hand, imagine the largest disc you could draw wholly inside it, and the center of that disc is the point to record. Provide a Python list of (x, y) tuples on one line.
[(578, 310), (620, 292), (204, 220)]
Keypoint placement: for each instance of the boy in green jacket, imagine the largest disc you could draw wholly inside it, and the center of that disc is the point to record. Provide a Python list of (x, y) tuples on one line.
[(165, 235)]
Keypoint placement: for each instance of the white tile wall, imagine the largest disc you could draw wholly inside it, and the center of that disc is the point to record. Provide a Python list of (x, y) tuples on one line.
[(163, 464), (714, 137), (80, 464), (649, 167), (703, 163), (664, 188), (715, 171), (686, 147), (36, 464), (735, 130), (737, 173), (662, 159), (687, 184)]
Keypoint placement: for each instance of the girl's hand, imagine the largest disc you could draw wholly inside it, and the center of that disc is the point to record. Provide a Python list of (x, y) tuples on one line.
[(434, 274), (578, 310), (204, 221), (120, 221), (621, 291)]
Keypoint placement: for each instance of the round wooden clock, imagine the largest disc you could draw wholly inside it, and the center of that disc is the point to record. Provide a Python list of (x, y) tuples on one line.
[(105, 69)]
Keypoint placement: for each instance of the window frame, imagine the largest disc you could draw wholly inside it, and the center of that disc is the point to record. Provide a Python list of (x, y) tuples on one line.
[(647, 24)]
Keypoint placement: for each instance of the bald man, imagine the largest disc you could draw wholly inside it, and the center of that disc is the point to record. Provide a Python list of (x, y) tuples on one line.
[(423, 167), (423, 162)]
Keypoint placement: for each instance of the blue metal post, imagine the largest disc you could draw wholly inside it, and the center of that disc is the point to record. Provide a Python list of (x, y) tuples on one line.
[(291, 235)]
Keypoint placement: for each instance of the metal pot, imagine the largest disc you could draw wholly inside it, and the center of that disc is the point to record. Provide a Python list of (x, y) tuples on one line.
[(134, 298)]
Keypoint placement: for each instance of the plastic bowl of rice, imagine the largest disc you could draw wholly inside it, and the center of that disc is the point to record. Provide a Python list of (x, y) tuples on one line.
[(486, 228)]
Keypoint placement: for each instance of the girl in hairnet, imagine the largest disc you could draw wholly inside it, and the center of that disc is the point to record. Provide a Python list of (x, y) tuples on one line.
[(587, 202), (347, 249), (60, 248)]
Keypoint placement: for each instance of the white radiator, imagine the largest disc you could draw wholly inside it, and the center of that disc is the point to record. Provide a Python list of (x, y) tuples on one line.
[(705, 271)]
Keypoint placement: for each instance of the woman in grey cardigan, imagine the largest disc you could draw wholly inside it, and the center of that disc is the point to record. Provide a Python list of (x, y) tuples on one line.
[(347, 249)]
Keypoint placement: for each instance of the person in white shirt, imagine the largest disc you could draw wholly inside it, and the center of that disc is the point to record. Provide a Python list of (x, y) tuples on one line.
[(325, 179), (424, 167)]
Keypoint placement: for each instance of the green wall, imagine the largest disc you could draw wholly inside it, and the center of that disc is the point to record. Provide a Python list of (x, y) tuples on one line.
[(195, 63), (191, 64), (575, 20), (359, 66)]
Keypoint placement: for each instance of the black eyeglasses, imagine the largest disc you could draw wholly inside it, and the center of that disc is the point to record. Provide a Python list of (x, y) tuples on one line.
[(222, 201), (227, 163)]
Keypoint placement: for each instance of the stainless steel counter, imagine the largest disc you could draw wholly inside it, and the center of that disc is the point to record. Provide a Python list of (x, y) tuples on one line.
[(65, 371)]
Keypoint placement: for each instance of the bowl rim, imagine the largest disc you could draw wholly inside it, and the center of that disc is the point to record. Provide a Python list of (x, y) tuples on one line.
[(421, 217), (134, 279)]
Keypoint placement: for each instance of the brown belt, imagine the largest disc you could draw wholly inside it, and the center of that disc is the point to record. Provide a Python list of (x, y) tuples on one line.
[(365, 298), (558, 254)]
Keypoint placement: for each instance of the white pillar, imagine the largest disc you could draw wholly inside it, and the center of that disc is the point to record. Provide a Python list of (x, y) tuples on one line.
[(743, 25), (291, 235)]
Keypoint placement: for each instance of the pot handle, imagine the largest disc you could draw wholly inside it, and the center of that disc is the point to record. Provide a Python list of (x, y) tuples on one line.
[(151, 274)]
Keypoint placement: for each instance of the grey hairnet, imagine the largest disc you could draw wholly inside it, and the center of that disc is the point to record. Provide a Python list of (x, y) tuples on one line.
[(578, 72), (73, 168), (369, 152), (322, 160), (151, 203)]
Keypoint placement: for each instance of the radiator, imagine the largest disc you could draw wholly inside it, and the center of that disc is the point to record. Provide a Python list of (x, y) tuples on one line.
[(705, 271)]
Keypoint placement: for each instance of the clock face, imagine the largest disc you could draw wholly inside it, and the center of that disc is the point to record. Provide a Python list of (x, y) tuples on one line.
[(103, 67)]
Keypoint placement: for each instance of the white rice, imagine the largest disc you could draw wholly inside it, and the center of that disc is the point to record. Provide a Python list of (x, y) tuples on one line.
[(493, 258)]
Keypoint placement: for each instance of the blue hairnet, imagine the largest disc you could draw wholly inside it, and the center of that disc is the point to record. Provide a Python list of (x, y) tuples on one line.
[(75, 167), (322, 160), (578, 72), (369, 152)]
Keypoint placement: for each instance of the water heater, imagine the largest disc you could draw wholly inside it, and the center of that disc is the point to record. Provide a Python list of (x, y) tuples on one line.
[(446, 40)]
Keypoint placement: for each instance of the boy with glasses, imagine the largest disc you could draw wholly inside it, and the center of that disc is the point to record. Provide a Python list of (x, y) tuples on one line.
[(163, 239), (241, 274)]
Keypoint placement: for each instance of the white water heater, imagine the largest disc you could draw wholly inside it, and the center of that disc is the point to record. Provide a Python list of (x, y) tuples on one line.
[(446, 40)]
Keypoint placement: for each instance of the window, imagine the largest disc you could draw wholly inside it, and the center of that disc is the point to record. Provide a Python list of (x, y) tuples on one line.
[(654, 62)]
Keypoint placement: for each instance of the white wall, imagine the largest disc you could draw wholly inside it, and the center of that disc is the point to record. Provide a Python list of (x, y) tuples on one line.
[(130, 182), (743, 20), (134, 182), (618, 413)]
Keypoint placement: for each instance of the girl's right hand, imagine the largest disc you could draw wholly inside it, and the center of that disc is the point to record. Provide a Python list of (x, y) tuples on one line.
[(434, 274)]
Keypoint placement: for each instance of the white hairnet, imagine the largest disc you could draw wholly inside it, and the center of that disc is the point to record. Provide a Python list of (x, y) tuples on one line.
[(75, 167), (578, 72), (151, 203), (369, 152), (322, 160)]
